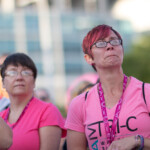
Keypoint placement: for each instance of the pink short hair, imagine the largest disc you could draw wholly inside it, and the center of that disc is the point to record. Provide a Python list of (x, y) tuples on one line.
[(97, 33)]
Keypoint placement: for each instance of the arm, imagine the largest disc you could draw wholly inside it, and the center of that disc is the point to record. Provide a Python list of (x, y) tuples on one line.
[(146, 144), (129, 143), (76, 140), (5, 135), (50, 137)]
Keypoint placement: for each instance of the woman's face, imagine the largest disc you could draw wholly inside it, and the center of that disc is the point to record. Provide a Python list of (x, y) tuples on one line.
[(108, 56), (18, 80)]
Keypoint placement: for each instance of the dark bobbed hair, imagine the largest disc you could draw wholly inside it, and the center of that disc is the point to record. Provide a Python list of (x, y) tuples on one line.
[(17, 59)]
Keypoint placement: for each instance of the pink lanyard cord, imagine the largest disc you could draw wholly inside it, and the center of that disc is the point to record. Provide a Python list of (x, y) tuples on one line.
[(111, 133)]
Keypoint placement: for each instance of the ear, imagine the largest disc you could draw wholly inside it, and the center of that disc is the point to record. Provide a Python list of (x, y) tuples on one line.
[(89, 59)]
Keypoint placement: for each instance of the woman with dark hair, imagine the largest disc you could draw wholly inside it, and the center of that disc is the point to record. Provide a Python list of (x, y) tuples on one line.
[(36, 125), (113, 115)]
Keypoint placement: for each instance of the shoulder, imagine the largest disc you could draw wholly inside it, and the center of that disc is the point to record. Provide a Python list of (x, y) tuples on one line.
[(85, 98), (92, 92), (134, 82), (49, 114), (45, 106), (78, 104), (75, 115), (43, 109), (39, 103), (78, 100), (144, 91), (134, 85)]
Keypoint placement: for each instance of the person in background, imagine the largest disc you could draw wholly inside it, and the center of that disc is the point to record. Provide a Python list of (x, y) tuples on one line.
[(4, 99), (36, 125), (80, 88), (42, 94), (4, 103), (3, 92), (114, 115), (77, 86), (85, 88), (5, 135)]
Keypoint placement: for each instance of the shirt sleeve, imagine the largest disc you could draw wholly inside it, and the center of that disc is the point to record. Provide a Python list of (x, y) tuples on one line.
[(75, 116), (147, 95), (52, 117)]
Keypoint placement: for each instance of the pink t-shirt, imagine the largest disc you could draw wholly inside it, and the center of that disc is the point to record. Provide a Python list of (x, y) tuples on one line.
[(37, 115), (85, 115)]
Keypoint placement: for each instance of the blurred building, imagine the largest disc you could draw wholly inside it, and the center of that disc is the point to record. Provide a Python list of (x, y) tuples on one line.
[(51, 32)]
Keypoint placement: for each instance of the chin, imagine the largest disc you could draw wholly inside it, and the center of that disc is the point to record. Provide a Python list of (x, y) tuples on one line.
[(115, 63), (19, 93)]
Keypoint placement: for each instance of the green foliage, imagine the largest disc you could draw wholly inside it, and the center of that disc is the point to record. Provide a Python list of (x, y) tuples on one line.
[(62, 110), (137, 61)]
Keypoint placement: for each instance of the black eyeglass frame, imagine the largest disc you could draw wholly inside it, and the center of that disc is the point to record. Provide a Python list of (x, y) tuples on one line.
[(120, 42)]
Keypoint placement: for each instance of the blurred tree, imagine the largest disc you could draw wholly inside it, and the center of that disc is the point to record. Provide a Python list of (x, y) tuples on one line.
[(137, 60)]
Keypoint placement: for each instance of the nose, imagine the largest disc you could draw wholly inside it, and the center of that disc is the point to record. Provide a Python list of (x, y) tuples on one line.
[(109, 46), (19, 75)]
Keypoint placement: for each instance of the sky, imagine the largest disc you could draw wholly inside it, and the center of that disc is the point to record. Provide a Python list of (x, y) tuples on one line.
[(135, 11)]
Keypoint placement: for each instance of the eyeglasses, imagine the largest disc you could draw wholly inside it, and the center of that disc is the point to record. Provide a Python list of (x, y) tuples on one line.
[(102, 44), (24, 73)]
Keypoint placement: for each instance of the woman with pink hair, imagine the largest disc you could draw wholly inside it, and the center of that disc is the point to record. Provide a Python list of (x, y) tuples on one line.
[(113, 116)]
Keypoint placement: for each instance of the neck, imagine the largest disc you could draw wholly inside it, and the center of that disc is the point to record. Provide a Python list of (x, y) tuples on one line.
[(111, 80), (17, 108), (112, 85), (19, 102)]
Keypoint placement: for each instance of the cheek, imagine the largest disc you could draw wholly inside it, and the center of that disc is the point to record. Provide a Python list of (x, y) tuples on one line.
[(7, 85), (4, 83), (99, 56), (31, 84), (121, 51), (121, 56), (96, 52)]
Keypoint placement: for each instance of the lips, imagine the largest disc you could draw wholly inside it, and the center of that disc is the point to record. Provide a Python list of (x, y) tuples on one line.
[(19, 85), (111, 55)]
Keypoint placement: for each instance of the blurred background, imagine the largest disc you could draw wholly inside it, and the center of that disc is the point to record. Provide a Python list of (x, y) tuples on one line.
[(51, 33)]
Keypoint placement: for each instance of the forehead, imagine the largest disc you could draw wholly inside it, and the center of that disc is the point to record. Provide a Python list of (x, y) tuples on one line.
[(11, 66), (111, 35)]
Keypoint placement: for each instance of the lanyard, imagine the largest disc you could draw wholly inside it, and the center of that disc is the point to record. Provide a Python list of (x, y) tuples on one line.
[(7, 115), (111, 133)]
